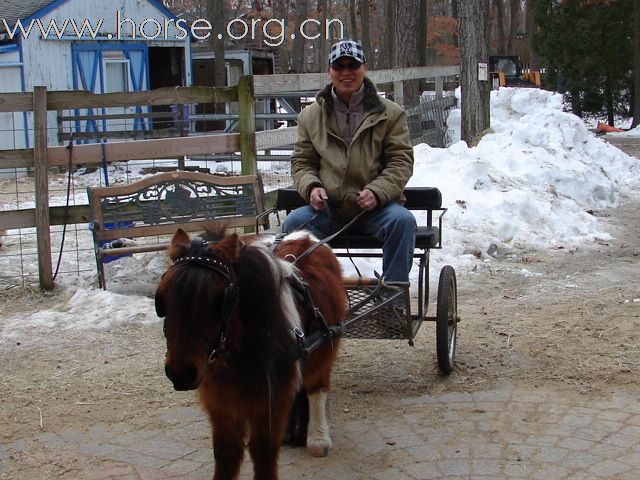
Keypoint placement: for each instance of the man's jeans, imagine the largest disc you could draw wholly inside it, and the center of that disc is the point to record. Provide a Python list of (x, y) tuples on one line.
[(392, 224)]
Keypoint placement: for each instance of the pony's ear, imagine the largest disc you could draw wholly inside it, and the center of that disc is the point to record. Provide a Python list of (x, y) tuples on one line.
[(180, 244), (228, 248)]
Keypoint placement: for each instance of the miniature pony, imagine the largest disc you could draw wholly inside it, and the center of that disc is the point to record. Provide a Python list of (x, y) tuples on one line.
[(234, 311)]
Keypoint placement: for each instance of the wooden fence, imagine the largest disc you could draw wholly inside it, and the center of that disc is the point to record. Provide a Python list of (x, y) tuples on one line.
[(43, 156)]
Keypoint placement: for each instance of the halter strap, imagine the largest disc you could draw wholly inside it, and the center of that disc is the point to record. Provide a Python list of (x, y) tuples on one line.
[(208, 262), (230, 297)]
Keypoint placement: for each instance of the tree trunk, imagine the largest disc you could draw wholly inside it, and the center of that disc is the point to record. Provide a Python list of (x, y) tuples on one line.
[(501, 32), (323, 50), (406, 51), (299, 61), (215, 10), (534, 59), (353, 33), (422, 34), (366, 37), (390, 34), (474, 49), (514, 13), (636, 64)]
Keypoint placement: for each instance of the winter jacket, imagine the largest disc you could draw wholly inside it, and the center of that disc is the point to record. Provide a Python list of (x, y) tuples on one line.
[(379, 157)]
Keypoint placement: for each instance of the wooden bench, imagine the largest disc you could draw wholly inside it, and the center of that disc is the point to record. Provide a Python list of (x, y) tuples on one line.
[(161, 204)]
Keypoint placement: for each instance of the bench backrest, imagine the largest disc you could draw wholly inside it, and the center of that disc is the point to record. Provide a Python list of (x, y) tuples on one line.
[(418, 198), (165, 202)]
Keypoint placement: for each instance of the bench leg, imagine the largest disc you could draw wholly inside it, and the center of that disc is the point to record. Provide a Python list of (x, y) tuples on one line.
[(100, 267)]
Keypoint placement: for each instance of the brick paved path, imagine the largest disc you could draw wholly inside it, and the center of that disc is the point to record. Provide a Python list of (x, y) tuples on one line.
[(506, 432)]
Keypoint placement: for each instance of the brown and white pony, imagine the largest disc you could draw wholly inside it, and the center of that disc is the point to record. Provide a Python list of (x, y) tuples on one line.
[(231, 317)]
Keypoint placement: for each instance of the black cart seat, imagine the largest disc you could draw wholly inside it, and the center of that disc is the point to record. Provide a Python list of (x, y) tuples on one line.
[(418, 198)]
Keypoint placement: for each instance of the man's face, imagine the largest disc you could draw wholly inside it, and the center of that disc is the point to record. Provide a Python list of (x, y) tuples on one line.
[(347, 75)]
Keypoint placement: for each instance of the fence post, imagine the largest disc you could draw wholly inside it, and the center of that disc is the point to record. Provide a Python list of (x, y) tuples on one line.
[(41, 171), (248, 155), (398, 92), (439, 84)]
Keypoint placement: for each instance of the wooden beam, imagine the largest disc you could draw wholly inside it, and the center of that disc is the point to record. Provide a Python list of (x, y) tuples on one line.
[(41, 170), (26, 218), (16, 102), (63, 100), (392, 75), (268, 139), (145, 149), (16, 158), (305, 82)]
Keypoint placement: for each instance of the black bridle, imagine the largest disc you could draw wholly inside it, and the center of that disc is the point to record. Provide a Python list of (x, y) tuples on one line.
[(229, 300)]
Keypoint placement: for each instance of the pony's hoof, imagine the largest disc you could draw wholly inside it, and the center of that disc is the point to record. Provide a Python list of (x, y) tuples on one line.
[(318, 448)]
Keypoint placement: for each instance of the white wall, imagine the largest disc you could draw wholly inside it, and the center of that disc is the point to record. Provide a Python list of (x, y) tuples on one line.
[(11, 124)]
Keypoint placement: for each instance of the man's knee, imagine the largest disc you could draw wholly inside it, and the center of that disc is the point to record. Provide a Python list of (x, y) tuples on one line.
[(405, 219)]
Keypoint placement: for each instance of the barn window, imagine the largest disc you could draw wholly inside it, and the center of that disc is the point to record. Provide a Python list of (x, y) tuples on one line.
[(116, 73)]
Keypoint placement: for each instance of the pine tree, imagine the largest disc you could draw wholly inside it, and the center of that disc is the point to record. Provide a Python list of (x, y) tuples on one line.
[(587, 49)]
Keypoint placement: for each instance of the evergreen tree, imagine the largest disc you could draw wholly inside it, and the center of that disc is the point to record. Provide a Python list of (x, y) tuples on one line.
[(587, 47)]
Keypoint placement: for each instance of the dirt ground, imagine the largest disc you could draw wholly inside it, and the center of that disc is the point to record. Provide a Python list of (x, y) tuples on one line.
[(568, 317)]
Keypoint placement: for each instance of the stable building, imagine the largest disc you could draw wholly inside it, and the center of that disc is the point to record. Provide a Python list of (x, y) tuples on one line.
[(101, 47)]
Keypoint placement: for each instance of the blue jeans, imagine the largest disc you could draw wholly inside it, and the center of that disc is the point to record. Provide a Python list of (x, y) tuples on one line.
[(392, 224)]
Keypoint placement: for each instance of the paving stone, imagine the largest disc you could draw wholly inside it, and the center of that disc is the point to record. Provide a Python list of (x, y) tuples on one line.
[(573, 443), (181, 467), (609, 468), (485, 467), (455, 467), (391, 474), (424, 470), (547, 472)]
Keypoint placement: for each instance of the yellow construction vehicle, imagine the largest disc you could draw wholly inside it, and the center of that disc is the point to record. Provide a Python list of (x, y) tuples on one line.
[(507, 72)]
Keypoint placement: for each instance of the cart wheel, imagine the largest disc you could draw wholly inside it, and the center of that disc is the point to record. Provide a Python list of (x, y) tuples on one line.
[(298, 421), (446, 319)]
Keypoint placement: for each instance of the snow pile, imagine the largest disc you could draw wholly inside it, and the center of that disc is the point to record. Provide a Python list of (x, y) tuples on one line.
[(530, 184)]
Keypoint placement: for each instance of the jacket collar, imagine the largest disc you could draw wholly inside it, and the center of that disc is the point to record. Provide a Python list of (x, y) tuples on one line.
[(370, 101)]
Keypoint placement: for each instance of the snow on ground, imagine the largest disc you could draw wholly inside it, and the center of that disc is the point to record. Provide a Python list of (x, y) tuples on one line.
[(527, 186)]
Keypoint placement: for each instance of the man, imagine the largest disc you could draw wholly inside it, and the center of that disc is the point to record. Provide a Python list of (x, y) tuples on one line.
[(353, 154)]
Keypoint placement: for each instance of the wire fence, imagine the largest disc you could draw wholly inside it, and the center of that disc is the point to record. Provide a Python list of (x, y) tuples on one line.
[(428, 121)]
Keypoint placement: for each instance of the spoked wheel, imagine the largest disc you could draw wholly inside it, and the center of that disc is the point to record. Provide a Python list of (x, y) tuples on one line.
[(446, 319), (298, 421)]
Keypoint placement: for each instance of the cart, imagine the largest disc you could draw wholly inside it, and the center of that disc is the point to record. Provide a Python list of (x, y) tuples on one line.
[(384, 310)]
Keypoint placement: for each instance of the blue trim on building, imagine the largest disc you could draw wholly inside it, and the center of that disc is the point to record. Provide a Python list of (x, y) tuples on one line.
[(23, 87), (8, 48)]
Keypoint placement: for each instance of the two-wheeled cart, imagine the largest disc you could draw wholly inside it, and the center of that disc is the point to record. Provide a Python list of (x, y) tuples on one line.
[(385, 310)]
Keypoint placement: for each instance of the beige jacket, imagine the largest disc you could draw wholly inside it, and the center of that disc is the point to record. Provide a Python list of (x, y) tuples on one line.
[(379, 157)]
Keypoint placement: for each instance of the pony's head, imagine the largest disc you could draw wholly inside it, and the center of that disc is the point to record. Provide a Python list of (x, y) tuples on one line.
[(197, 297)]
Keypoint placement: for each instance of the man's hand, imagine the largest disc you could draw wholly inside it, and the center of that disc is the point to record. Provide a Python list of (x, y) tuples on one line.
[(318, 198), (367, 200)]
